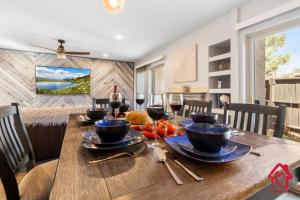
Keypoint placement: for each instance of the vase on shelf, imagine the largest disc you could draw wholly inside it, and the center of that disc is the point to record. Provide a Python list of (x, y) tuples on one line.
[(219, 84), (224, 98)]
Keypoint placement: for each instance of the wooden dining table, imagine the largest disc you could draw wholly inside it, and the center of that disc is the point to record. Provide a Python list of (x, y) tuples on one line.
[(142, 177)]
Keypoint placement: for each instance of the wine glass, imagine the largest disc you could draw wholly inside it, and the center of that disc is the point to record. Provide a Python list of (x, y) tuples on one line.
[(156, 110), (140, 99), (115, 102), (176, 104)]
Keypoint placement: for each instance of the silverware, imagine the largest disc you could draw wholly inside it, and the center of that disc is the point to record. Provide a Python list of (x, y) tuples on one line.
[(160, 155), (190, 172), (130, 154), (234, 132), (255, 153)]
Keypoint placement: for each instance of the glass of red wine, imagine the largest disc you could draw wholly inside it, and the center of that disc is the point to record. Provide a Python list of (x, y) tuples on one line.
[(140, 99), (176, 104), (156, 111), (115, 102)]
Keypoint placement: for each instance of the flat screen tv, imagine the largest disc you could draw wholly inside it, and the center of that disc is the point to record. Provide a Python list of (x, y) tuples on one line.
[(62, 80)]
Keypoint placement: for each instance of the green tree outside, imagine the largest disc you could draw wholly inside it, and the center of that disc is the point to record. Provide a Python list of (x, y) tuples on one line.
[(273, 61)]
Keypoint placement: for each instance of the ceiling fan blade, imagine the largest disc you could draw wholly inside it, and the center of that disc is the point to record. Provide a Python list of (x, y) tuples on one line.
[(77, 53), (43, 47)]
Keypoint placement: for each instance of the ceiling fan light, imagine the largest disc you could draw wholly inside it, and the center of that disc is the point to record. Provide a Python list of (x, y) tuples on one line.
[(61, 56), (113, 6)]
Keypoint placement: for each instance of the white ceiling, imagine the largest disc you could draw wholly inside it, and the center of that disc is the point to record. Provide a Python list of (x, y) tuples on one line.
[(86, 26)]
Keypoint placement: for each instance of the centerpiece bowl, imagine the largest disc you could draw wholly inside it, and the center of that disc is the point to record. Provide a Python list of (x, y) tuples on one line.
[(207, 137), (113, 130)]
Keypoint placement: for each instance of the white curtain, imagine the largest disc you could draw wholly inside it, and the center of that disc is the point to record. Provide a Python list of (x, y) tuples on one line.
[(150, 79), (158, 78), (142, 82)]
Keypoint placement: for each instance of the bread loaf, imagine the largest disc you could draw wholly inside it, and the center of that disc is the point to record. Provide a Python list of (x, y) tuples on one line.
[(137, 117)]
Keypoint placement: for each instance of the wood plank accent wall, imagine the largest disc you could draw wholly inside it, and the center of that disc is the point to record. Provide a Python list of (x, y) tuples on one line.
[(17, 78)]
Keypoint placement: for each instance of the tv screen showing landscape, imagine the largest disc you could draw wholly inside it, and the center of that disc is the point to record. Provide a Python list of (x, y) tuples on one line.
[(61, 80)]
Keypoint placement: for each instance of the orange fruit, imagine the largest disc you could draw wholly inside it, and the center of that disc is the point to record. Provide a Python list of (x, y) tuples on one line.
[(171, 128), (162, 130), (148, 127)]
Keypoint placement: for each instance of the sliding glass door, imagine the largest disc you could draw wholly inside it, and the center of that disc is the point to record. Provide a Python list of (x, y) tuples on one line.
[(274, 73)]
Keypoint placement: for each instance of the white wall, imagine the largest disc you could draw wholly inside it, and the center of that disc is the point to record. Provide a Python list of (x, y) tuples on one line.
[(216, 31), (204, 37), (257, 7)]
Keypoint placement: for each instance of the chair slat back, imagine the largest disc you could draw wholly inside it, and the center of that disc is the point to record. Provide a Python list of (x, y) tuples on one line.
[(15, 146), (102, 103), (196, 106), (8, 179), (254, 118)]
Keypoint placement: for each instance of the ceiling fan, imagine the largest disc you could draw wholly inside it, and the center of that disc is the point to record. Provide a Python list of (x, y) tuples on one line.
[(61, 53)]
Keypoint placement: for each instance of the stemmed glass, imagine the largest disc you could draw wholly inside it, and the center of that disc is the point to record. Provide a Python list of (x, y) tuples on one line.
[(115, 102), (140, 99), (176, 104), (156, 110)]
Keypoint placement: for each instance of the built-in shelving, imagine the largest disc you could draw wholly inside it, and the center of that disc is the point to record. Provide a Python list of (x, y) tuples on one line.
[(220, 73), (219, 91), (220, 48), (219, 64), (219, 57), (224, 79)]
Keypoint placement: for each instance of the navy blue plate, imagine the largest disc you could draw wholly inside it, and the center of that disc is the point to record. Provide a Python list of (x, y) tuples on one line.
[(86, 119), (240, 151), (186, 122), (90, 140), (92, 137), (186, 146), (190, 121)]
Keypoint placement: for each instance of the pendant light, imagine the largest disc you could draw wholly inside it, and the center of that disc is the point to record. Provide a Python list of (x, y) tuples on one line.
[(113, 6)]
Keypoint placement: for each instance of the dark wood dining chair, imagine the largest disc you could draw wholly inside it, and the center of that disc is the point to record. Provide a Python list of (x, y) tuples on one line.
[(16, 154), (190, 106), (254, 113), (102, 103)]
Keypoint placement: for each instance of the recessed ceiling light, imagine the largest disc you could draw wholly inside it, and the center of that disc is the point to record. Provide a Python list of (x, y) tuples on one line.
[(105, 55), (119, 37)]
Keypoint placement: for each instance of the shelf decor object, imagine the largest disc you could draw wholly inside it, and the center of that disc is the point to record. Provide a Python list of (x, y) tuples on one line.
[(186, 64), (219, 84)]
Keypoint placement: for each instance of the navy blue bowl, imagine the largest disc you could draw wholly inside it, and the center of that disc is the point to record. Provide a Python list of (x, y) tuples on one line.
[(112, 130), (96, 114), (200, 117), (207, 137)]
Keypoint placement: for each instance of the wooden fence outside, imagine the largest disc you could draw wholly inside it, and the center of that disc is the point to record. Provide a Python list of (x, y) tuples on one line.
[(286, 91)]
